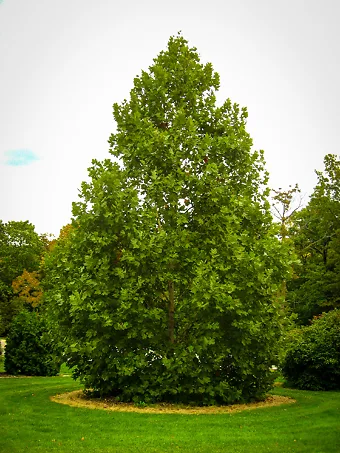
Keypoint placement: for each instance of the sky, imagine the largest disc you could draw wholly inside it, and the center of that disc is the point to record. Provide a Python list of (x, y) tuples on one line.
[(64, 63)]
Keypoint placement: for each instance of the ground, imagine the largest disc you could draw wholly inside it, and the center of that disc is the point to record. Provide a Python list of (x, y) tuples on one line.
[(78, 399)]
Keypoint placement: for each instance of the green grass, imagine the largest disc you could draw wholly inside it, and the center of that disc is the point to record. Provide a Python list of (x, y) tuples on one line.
[(64, 369), (30, 422)]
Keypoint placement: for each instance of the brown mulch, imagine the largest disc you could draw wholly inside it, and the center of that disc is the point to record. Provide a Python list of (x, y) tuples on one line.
[(78, 399)]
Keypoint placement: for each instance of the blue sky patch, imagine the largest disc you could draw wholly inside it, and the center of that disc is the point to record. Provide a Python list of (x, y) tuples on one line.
[(20, 157)]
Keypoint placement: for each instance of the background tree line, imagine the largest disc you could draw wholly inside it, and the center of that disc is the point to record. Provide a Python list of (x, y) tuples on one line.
[(315, 236), (21, 254), (312, 231)]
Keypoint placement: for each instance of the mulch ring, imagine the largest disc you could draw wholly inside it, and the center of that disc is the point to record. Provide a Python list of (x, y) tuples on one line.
[(78, 399)]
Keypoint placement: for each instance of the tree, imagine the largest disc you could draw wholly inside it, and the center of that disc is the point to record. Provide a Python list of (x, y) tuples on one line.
[(285, 206), (8, 309), (20, 249), (165, 287), (316, 235), (27, 288)]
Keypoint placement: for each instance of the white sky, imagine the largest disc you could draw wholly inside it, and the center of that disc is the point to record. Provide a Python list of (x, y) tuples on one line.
[(64, 63)]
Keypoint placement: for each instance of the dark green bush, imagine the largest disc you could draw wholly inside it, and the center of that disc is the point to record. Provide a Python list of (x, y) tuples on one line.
[(312, 361), (28, 348)]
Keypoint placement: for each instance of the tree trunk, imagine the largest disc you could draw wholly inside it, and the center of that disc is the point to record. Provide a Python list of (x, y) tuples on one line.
[(171, 312)]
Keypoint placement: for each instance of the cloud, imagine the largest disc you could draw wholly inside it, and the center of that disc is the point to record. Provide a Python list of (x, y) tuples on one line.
[(20, 157)]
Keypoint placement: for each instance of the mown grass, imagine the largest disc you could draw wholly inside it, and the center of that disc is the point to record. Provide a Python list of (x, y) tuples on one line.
[(30, 422)]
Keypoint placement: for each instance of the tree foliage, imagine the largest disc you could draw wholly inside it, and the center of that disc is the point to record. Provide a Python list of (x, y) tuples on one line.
[(312, 361), (284, 206), (28, 348), (164, 289), (316, 235), (20, 250), (27, 288)]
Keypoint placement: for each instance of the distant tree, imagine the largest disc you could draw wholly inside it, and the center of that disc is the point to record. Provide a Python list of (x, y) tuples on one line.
[(165, 287), (20, 249), (316, 235), (285, 204), (27, 288), (8, 308)]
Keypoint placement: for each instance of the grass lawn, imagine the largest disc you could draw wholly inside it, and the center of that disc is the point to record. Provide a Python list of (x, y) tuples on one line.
[(30, 422)]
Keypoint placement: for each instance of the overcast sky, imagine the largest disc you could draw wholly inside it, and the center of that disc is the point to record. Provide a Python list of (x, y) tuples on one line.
[(64, 63)]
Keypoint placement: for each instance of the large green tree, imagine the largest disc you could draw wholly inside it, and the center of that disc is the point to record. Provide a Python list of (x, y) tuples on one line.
[(166, 286), (316, 235)]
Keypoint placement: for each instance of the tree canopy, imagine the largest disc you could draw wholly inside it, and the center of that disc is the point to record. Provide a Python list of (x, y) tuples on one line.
[(316, 236), (166, 286), (21, 249)]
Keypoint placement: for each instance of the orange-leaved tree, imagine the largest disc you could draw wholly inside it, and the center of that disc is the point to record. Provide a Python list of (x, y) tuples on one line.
[(27, 288)]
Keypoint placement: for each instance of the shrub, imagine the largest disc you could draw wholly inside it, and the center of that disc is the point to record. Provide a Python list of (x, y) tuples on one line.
[(28, 348), (312, 361)]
